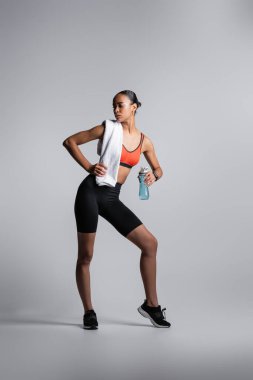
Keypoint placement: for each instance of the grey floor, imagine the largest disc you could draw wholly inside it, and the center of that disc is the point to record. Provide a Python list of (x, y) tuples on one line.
[(206, 344)]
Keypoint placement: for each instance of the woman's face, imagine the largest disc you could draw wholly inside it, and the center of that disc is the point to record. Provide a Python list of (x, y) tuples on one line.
[(122, 107)]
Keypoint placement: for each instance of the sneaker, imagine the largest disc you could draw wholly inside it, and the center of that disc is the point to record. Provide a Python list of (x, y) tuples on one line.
[(90, 320), (155, 314)]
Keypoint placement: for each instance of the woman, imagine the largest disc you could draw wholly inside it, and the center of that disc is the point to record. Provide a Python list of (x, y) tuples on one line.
[(93, 200)]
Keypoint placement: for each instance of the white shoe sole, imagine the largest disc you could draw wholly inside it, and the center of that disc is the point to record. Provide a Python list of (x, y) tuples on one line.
[(146, 315), (90, 327)]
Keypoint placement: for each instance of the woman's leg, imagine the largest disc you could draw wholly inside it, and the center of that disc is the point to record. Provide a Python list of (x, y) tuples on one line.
[(86, 214), (124, 220), (85, 254), (147, 243)]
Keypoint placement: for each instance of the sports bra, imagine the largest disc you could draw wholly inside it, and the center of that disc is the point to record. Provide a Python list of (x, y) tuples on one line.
[(131, 158)]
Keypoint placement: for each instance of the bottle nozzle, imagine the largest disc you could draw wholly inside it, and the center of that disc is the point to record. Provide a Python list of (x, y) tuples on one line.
[(143, 169)]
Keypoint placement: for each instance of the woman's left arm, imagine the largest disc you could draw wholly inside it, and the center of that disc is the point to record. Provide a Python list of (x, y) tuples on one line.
[(150, 155)]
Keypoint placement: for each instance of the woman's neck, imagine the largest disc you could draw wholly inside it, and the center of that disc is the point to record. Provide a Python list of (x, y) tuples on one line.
[(129, 127)]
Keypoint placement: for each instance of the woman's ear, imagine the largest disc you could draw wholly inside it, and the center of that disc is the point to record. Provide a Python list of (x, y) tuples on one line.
[(135, 107)]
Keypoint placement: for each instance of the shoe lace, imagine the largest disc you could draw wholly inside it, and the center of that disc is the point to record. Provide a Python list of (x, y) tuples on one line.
[(160, 314)]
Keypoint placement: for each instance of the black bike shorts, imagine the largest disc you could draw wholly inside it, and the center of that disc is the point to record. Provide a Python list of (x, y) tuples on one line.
[(93, 200)]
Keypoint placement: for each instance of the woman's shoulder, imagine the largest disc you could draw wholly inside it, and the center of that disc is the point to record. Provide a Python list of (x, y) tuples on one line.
[(145, 137), (101, 129), (147, 143)]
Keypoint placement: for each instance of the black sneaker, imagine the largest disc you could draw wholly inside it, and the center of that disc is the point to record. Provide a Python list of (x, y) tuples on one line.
[(155, 314), (90, 320)]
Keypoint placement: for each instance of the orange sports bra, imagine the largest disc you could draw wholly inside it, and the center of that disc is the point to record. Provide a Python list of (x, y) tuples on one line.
[(131, 158)]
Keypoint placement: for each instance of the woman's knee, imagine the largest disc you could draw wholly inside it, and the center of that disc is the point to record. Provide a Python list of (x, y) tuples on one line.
[(144, 239), (85, 248), (150, 245), (84, 256)]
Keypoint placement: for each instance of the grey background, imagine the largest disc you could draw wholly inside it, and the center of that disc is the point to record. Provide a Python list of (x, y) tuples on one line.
[(190, 63)]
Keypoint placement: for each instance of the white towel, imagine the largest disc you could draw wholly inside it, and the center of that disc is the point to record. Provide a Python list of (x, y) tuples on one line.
[(110, 152)]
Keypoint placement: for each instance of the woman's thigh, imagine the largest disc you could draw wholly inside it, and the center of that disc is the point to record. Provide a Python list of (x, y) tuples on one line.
[(120, 216), (86, 214), (129, 225), (86, 207)]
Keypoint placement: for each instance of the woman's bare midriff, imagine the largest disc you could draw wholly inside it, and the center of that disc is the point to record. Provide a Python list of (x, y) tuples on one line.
[(123, 174)]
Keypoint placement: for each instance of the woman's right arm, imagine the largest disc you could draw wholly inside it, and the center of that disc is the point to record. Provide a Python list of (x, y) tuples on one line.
[(71, 144)]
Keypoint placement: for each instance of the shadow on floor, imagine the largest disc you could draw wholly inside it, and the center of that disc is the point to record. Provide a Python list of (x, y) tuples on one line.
[(34, 321)]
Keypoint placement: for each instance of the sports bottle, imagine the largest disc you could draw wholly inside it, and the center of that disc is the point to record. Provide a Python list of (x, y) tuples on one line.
[(143, 188)]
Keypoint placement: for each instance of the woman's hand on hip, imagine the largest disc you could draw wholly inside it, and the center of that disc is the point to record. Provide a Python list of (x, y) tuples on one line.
[(98, 169)]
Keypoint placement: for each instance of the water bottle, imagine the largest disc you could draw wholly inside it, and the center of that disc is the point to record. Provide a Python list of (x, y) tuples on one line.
[(143, 189)]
